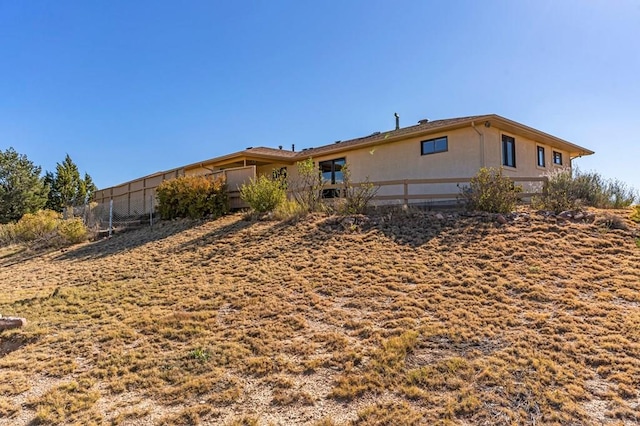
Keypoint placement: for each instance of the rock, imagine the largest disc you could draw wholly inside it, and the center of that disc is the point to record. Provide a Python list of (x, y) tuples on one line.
[(578, 216), (567, 214), (11, 322), (501, 219), (439, 216)]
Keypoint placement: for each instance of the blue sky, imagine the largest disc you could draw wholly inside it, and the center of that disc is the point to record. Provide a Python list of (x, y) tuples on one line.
[(128, 88)]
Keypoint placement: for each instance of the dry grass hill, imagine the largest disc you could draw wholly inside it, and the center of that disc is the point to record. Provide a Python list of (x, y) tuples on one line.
[(396, 318)]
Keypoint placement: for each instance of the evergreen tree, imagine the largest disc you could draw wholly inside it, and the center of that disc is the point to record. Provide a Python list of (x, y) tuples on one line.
[(67, 188), (22, 190)]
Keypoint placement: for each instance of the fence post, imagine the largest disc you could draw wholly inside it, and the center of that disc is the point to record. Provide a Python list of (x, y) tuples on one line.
[(110, 217), (406, 194), (151, 211)]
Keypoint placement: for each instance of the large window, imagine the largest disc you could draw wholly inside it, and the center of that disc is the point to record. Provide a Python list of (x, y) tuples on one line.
[(331, 171), (541, 156), (432, 146), (508, 151), (557, 158)]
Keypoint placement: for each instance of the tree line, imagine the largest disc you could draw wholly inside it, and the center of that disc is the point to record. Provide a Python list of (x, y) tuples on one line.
[(23, 188)]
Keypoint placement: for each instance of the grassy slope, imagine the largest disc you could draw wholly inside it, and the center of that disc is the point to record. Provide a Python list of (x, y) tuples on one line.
[(397, 319)]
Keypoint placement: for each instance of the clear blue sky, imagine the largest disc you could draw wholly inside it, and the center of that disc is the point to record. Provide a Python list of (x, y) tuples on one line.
[(128, 88)]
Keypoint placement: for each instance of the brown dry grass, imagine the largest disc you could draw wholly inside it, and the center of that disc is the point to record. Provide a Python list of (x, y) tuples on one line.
[(399, 318)]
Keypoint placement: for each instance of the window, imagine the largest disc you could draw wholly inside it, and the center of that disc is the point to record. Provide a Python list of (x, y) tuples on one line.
[(557, 158), (331, 171), (508, 151), (432, 146), (540, 156)]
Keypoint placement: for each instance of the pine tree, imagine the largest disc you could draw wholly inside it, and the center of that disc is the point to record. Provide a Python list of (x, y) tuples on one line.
[(22, 190), (67, 188)]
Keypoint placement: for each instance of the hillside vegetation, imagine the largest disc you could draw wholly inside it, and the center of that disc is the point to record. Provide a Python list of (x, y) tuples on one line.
[(395, 318)]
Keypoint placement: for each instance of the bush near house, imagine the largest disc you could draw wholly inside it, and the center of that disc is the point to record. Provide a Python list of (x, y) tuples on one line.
[(569, 191), (264, 194), (490, 191), (193, 197), (357, 196), (307, 190)]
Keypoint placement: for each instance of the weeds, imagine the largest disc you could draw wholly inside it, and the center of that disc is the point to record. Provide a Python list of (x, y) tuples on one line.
[(448, 323)]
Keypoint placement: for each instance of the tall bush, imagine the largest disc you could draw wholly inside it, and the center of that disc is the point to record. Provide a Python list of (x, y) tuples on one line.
[(264, 194), (307, 190), (490, 191), (357, 196), (193, 197)]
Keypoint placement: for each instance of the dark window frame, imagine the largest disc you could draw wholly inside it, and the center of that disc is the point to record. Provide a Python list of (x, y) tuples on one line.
[(331, 192), (557, 158), (508, 151), (432, 145), (540, 151)]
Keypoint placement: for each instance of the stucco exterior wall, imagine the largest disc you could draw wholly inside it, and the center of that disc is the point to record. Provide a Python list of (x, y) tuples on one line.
[(526, 155)]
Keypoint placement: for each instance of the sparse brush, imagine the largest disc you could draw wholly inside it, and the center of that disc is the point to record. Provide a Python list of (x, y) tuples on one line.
[(569, 190), (635, 214)]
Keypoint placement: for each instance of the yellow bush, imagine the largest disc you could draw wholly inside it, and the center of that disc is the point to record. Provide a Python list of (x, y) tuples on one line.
[(73, 230), (33, 226), (635, 214)]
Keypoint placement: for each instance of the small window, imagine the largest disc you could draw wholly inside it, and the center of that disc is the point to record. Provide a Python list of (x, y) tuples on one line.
[(541, 156), (508, 151), (432, 146), (557, 158)]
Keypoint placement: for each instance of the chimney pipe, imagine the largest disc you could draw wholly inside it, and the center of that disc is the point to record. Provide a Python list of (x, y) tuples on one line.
[(395, 114), (293, 147)]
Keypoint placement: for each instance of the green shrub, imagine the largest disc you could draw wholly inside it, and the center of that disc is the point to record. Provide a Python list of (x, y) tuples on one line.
[(490, 191), (635, 214), (559, 195), (264, 194), (192, 196), (569, 191), (73, 230)]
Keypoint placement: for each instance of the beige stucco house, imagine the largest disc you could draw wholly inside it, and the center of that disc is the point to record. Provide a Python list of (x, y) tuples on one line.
[(416, 163)]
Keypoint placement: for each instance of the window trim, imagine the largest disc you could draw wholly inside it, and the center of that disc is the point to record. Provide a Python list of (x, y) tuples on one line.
[(508, 162), (434, 141), (557, 158), (541, 150)]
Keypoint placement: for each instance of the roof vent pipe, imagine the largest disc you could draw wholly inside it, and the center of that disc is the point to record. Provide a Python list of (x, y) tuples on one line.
[(395, 114), (293, 147), (280, 147)]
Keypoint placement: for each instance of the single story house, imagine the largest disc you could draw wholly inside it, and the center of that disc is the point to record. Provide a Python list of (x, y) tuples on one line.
[(410, 164)]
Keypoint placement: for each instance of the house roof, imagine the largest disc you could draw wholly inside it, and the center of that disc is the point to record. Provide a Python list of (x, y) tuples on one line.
[(429, 127)]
